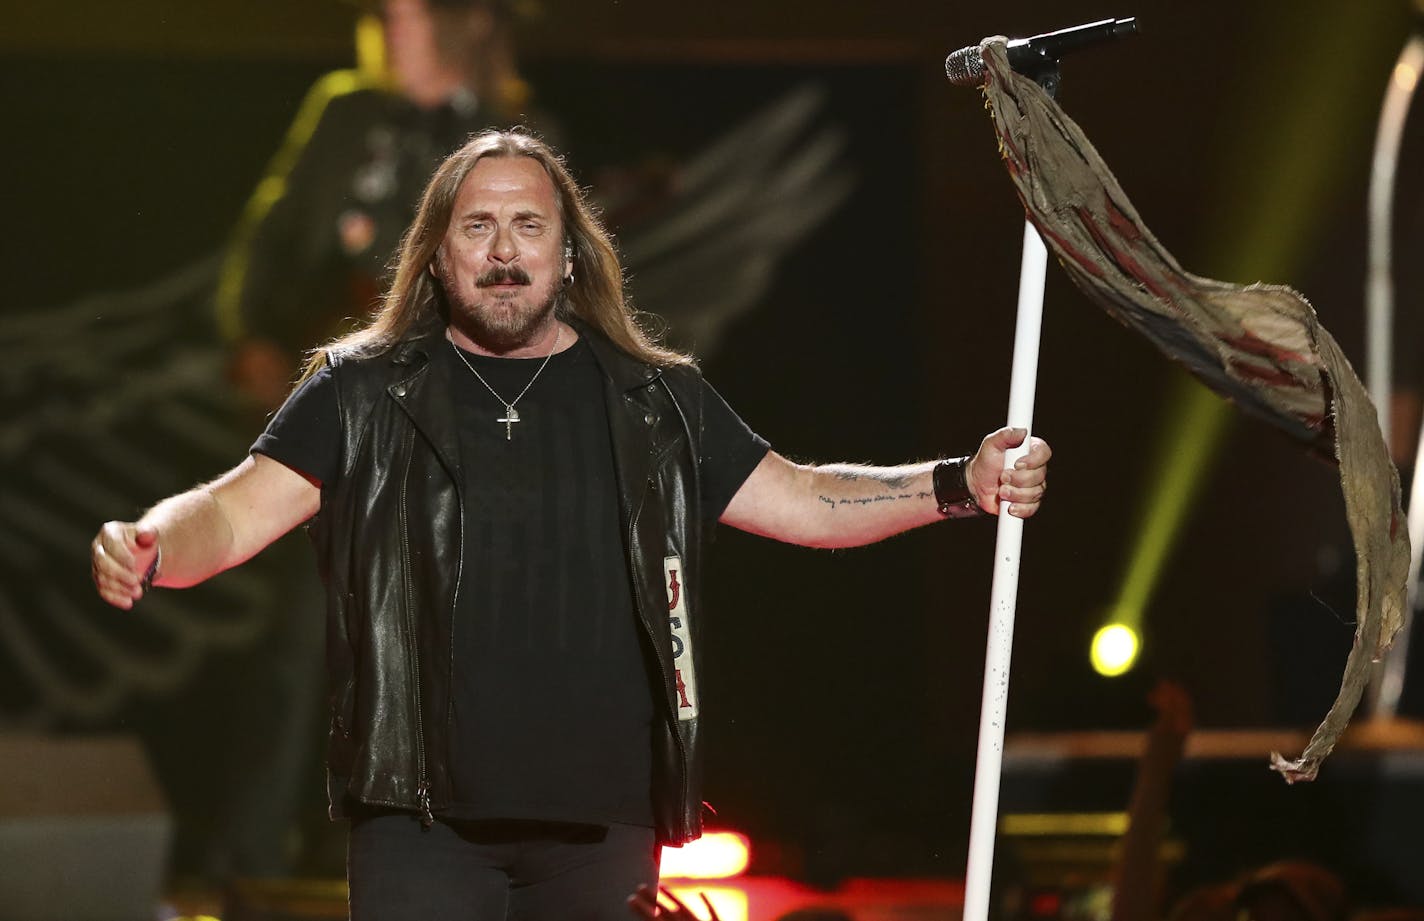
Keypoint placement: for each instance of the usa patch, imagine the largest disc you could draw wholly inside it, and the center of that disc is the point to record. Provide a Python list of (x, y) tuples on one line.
[(684, 672)]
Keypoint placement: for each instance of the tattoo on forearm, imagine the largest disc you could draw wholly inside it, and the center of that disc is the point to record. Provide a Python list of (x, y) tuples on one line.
[(871, 500)]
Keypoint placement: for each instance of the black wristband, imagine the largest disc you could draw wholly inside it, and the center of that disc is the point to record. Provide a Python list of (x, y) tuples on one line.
[(951, 489), (147, 582)]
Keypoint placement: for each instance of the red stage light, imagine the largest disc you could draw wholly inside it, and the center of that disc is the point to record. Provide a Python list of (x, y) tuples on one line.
[(1046, 905), (716, 855)]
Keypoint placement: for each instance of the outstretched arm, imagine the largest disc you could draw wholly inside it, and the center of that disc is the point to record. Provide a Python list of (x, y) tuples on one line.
[(203, 531), (847, 505)]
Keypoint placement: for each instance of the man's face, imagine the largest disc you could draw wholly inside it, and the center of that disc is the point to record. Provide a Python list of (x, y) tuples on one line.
[(429, 51), (411, 50), (502, 261)]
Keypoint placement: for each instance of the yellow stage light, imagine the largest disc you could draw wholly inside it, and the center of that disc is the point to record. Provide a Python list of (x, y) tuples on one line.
[(716, 855), (1115, 650)]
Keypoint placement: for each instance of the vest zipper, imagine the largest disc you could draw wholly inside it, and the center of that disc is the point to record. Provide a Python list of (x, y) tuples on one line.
[(422, 790)]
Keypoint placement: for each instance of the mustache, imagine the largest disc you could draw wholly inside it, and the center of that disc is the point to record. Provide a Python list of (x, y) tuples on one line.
[(503, 275)]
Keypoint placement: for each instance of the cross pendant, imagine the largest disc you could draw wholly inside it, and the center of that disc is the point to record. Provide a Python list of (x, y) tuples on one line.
[(511, 416)]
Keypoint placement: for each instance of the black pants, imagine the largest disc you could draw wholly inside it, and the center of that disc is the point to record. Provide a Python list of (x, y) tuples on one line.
[(493, 871)]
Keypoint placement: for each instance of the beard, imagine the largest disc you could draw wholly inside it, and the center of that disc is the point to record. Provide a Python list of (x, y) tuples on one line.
[(501, 321)]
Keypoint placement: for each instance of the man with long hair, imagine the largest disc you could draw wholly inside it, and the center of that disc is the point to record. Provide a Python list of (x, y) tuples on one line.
[(508, 484), (319, 230), (311, 251)]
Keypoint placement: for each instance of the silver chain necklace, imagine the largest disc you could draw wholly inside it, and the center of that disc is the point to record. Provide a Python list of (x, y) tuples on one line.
[(511, 415)]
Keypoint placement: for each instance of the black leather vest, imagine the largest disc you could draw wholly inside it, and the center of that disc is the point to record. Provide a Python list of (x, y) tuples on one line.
[(388, 540)]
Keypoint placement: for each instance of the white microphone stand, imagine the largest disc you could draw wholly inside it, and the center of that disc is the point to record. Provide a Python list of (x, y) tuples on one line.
[(1023, 381)]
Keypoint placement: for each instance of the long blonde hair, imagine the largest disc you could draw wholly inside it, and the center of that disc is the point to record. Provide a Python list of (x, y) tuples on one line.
[(415, 305)]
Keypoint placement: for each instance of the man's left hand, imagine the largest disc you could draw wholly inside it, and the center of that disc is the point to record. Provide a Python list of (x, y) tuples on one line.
[(1019, 488)]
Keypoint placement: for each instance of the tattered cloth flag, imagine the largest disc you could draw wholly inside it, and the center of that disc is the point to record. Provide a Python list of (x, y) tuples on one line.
[(1260, 346)]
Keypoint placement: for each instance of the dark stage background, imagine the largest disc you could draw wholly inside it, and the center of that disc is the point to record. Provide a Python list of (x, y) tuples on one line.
[(843, 687)]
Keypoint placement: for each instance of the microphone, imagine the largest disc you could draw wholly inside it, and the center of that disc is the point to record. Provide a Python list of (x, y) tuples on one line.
[(1036, 55)]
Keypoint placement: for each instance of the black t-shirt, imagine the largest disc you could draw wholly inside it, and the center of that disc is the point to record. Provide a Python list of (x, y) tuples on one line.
[(553, 698)]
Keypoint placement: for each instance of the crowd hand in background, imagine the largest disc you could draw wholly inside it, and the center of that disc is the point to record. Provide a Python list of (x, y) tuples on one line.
[(645, 904)]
